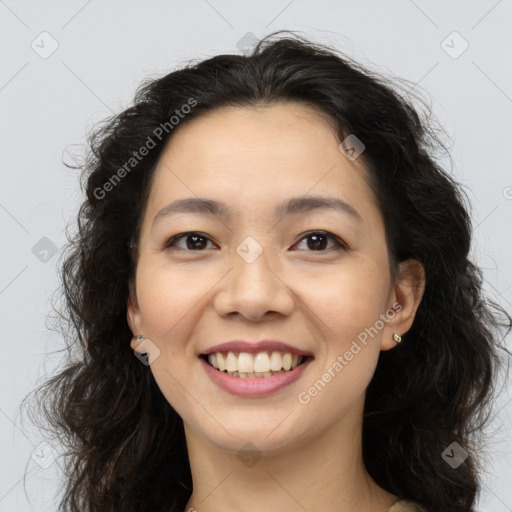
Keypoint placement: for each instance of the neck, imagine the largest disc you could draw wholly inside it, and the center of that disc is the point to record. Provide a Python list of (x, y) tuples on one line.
[(324, 473)]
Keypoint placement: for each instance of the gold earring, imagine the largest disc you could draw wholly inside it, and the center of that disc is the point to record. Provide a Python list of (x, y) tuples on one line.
[(397, 337), (138, 339)]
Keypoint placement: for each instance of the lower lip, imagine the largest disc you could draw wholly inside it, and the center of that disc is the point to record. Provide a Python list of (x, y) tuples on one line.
[(253, 386)]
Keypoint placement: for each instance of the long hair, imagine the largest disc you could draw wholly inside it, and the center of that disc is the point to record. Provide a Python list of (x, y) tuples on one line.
[(124, 444)]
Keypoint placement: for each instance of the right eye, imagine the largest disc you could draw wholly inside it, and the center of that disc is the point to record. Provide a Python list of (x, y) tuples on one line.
[(194, 241)]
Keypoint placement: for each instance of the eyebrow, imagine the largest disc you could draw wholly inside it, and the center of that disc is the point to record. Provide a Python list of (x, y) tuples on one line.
[(293, 206)]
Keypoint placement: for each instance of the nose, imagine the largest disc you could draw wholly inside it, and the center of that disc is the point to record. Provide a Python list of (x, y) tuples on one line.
[(253, 290)]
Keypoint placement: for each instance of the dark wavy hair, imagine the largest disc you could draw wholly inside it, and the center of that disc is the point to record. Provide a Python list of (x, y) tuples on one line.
[(124, 444)]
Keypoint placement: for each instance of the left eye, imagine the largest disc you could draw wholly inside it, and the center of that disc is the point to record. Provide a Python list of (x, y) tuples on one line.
[(195, 241), (318, 240)]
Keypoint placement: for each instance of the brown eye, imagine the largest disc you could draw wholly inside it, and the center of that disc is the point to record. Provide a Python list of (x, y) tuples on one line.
[(318, 241), (194, 241)]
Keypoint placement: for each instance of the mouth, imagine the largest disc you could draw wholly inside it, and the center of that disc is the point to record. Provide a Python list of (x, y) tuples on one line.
[(263, 364)]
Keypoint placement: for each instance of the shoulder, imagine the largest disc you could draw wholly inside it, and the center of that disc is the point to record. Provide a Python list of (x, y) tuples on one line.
[(405, 506)]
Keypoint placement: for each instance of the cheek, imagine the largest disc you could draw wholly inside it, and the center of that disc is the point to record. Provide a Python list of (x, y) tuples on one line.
[(349, 299), (168, 299), (167, 296)]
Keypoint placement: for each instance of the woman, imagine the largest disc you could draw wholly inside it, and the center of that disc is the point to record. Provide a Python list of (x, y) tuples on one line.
[(272, 238)]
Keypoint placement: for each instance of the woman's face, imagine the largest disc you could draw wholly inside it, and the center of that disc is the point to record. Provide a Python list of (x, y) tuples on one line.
[(253, 271)]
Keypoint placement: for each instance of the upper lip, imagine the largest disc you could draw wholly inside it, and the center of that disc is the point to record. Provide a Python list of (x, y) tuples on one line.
[(255, 347)]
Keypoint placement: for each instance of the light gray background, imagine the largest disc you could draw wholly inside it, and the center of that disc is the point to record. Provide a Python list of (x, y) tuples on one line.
[(106, 48)]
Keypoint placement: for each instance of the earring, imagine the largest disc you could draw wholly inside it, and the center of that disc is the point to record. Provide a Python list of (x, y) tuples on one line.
[(397, 337), (139, 338)]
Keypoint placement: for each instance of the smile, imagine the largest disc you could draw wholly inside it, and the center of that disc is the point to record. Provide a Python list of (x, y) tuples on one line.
[(247, 365), (252, 375)]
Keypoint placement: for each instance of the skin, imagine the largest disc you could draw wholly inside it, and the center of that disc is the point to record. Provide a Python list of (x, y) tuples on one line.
[(186, 300)]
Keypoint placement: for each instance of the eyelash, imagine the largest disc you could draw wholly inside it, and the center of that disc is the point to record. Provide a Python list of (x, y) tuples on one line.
[(339, 243)]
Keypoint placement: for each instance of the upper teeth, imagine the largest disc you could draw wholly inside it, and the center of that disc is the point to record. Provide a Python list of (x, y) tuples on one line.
[(254, 363)]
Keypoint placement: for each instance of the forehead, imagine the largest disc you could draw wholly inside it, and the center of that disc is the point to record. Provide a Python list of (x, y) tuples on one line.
[(236, 130), (254, 156)]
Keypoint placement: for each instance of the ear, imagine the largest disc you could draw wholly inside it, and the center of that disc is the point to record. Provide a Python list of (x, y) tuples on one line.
[(134, 319), (407, 292)]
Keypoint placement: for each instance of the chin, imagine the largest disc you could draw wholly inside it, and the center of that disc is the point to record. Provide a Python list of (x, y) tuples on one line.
[(269, 434)]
